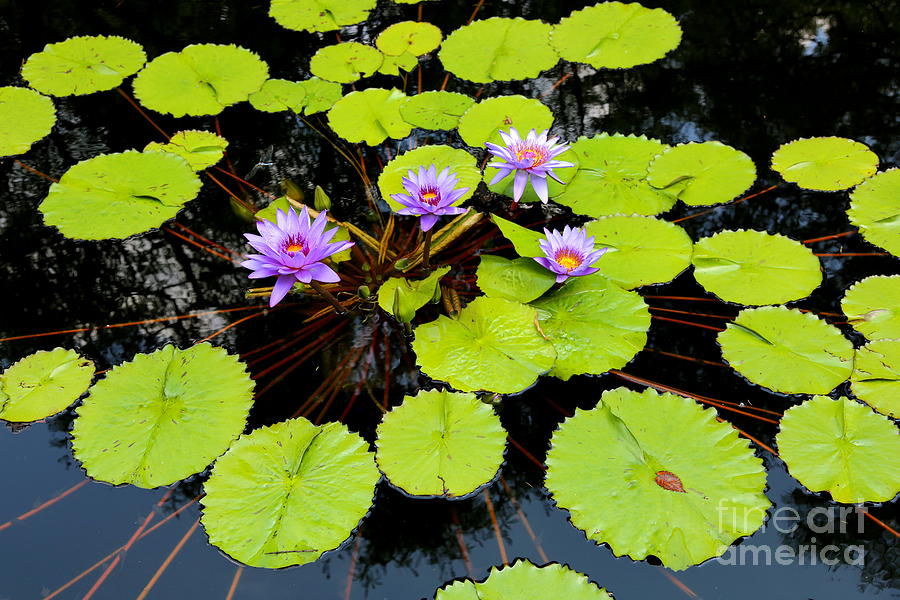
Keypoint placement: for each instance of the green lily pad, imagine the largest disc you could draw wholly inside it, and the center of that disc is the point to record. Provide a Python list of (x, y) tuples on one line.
[(612, 177), (436, 110), (402, 297), (440, 443), (875, 209), (483, 122), (841, 447), (411, 37), (614, 35), (319, 15), (83, 65), (345, 62), (27, 117), (43, 384), (494, 344), (872, 306), (825, 163), (876, 376), (460, 162), (499, 49), (594, 325), (656, 474), (201, 149), (521, 279), (755, 267), (525, 241), (163, 416), (392, 65), (641, 250), (320, 95), (278, 95), (118, 195), (202, 79), (285, 494), (787, 350), (369, 116), (510, 583), (703, 173)]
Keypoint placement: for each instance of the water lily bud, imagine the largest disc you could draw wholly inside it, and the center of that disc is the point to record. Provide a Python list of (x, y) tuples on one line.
[(363, 291), (321, 200)]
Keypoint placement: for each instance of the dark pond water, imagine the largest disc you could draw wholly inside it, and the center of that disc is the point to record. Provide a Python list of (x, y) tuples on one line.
[(750, 73)]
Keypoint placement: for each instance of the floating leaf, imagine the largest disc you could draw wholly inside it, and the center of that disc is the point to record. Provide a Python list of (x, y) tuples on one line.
[(703, 173), (641, 250), (494, 344), (320, 95), (513, 582), (202, 79), (345, 62), (614, 35), (392, 65), (118, 195), (410, 37), (482, 122), (612, 177), (525, 241), (755, 267), (842, 447), (277, 95), (26, 116), (460, 162), (402, 297), (440, 443), (83, 65), (594, 325), (319, 15), (43, 384), (369, 116), (872, 306), (201, 149), (163, 416), (787, 351), (875, 209), (824, 163), (656, 474), (285, 494), (499, 49), (876, 376), (436, 110), (521, 279)]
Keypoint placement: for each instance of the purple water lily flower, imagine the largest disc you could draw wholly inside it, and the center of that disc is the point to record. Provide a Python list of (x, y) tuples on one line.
[(533, 159), (568, 253), (293, 249), (429, 195)]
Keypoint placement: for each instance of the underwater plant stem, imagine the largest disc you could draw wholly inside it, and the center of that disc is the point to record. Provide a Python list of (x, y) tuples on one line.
[(199, 245), (678, 583), (46, 504), (354, 556), (234, 196), (338, 308), (527, 454), (524, 520), (426, 252), (162, 568), (732, 203), (35, 171), (829, 237), (710, 327), (143, 113), (693, 314), (475, 12), (230, 325), (206, 240), (496, 526), (461, 541), (854, 254), (234, 582), (882, 523), (690, 358)]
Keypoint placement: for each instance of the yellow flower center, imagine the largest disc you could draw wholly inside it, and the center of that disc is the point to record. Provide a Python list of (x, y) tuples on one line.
[(536, 155), (568, 259), (294, 246), (430, 197)]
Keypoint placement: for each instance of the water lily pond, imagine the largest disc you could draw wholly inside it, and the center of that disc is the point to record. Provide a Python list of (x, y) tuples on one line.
[(450, 300)]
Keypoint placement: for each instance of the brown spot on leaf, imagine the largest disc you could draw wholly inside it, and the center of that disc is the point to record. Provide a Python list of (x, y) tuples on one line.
[(669, 481)]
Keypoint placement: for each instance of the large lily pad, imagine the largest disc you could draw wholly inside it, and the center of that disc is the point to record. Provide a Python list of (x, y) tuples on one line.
[(614, 35), (440, 443), (26, 116), (825, 163), (875, 209), (612, 177), (641, 250), (499, 49), (369, 116), (436, 110), (345, 62), (594, 325), (201, 149), (511, 583), (524, 240), (43, 384), (755, 267), (302, 97), (83, 65), (459, 161), (521, 279), (163, 416), (787, 350), (876, 376), (483, 122), (703, 173), (872, 306), (319, 15), (202, 79), (118, 195), (409, 37), (285, 494), (842, 447), (656, 474), (494, 344), (402, 297)]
